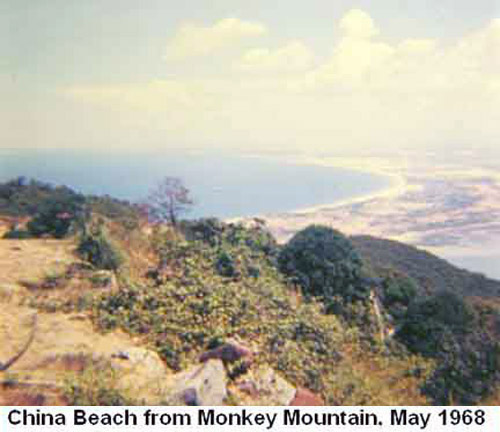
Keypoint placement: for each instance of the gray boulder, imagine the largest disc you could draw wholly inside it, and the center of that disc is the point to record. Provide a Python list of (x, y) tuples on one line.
[(203, 385), (264, 387)]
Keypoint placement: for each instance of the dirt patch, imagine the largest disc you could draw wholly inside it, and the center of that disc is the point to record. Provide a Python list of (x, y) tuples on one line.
[(64, 344), (32, 260)]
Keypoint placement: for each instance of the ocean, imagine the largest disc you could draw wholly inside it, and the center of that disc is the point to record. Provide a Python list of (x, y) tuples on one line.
[(223, 185)]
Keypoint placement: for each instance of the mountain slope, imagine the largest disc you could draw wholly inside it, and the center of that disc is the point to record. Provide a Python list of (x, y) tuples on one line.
[(431, 272)]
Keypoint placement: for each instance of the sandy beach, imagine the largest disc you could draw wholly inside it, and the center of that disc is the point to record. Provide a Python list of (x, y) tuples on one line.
[(434, 203)]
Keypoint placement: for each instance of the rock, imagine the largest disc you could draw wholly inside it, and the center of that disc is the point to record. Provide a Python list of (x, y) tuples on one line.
[(121, 355), (249, 388), (7, 292), (304, 397), (133, 358), (229, 352), (263, 387), (203, 385)]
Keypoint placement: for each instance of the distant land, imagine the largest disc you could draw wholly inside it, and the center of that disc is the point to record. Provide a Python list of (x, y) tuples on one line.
[(223, 185), (157, 303), (448, 205)]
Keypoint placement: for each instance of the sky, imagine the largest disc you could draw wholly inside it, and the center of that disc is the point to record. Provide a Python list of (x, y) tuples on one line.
[(312, 76)]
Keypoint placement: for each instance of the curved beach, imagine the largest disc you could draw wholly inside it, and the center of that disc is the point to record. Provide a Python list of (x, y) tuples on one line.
[(447, 208)]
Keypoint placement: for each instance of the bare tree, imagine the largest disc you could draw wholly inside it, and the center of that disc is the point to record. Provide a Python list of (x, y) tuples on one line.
[(12, 360), (169, 200)]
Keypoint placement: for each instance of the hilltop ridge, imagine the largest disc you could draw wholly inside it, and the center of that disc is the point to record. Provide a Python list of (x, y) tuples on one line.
[(430, 271), (332, 319)]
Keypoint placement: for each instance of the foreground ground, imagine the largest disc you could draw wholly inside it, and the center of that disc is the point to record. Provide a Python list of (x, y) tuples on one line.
[(100, 339), (63, 341), (66, 340)]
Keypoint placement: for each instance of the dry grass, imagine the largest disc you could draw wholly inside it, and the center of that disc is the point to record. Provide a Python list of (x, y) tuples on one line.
[(65, 344), (393, 381), (22, 395), (32, 260), (136, 247), (493, 400)]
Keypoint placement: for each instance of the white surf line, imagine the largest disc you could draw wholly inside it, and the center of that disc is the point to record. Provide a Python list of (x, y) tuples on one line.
[(398, 186), (358, 164)]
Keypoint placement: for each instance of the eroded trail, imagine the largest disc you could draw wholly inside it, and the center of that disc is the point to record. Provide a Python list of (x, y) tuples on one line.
[(63, 343)]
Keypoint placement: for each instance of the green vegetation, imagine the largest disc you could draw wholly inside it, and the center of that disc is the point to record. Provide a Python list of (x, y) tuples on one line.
[(431, 273), (324, 263), (95, 386), (432, 321), (185, 315), (57, 211), (445, 327), (22, 197), (398, 292), (96, 248), (54, 211), (316, 309), (57, 216), (121, 211)]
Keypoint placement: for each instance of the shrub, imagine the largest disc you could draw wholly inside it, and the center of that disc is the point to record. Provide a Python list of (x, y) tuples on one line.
[(446, 328), (22, 197), (99, 251), (214, 233), (261, 240), (96, 386), (225, 265), (432, 323), (469, 370), (399, 290), (121, 211), (324, 263), (207, 230), (17, 234), (57, 215)]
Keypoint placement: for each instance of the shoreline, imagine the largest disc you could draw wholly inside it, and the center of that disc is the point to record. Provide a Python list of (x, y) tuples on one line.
[(447, 208), (398, 185)]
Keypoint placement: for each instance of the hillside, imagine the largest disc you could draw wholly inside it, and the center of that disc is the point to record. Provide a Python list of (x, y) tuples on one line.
[(431, 272), (309, 322), (186, 309)]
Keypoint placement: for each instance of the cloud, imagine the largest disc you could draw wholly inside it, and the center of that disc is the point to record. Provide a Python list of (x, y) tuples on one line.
[(193, 40), (368, 92), (294, 56), (169, 105), (362, 62), (159, 94), (358, 24), (417, 46)]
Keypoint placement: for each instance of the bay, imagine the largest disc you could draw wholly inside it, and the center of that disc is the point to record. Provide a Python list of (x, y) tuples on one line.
[(223, 185)]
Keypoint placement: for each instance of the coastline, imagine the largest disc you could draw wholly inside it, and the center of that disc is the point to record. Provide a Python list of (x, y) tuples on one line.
[(447, 208), (398, 186), (284, 224)]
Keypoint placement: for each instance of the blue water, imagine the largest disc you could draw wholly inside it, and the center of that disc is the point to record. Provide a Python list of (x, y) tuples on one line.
[(223, 185)]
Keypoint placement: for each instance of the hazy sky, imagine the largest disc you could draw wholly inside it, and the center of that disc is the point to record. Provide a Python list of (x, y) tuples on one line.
[(310, 75)]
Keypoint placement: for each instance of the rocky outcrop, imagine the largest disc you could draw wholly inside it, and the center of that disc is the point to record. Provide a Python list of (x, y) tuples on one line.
[(304, 397), (264, 386), (229, 352), (202, 385), (260, 386)]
